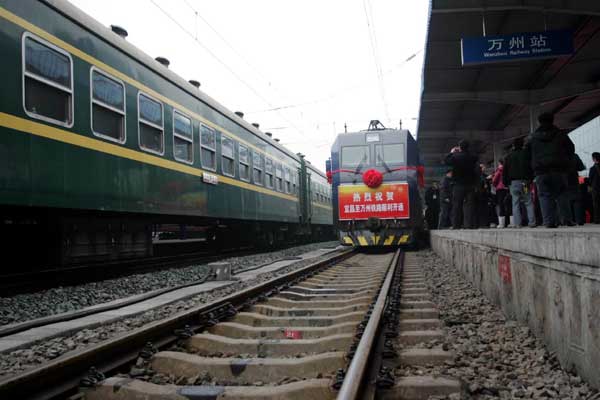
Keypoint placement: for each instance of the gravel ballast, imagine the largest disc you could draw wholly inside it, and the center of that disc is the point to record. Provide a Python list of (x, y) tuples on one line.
[(58, 300), (495, 357), (23, 359)]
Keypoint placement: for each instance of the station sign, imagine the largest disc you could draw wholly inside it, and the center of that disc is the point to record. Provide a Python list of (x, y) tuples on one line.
[(388, 201), (516, 47)]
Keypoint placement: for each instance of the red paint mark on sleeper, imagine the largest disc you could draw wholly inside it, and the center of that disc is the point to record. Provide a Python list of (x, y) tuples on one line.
[(292, 334), (504, 269)]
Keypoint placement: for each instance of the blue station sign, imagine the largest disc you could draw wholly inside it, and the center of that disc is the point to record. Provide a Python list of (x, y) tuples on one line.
[(515, 47)]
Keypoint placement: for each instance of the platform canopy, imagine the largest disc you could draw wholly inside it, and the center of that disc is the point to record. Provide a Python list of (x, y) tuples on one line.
[(491, 103)]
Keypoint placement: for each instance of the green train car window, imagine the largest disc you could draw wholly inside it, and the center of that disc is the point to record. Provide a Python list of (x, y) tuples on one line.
[(389, 154), (244, 163), (47, 82), (288, 180), (228, 156), (294, 183), (269, 173), (150, 125), (208, 147), (108, 107), (183, 138), (257, 163), (279, 177)]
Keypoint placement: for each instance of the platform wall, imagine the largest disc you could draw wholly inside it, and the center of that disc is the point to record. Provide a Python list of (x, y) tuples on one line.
[(548, 279)]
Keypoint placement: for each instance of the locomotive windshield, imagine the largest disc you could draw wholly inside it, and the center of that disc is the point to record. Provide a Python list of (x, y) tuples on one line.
[(389, 154), (353, 156)]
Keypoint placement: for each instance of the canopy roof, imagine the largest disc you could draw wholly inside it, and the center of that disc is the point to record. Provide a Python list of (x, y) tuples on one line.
[(491, 103)]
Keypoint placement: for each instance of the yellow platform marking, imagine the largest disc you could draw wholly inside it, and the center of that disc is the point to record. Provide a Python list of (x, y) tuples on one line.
[(389, 240), (348, 240), (403, 239), (376, 239), (362, 241)]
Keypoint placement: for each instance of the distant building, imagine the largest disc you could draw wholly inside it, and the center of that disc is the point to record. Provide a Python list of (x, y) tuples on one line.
[(587, 141)]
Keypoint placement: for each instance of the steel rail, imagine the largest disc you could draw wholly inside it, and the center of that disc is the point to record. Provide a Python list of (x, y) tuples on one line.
[(353, 380), (97, 309), (62, 376)]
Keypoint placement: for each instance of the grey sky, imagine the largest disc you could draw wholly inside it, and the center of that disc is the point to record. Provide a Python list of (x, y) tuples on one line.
[(313, 59)]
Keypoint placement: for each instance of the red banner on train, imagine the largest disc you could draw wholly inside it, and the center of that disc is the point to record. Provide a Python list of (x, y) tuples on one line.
[(387, 201)]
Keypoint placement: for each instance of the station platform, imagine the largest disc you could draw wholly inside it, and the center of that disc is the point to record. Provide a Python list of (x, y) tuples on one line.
[(548, 279)]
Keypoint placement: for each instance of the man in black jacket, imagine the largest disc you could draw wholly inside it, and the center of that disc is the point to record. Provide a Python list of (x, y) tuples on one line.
[(595, 186), (445, 200), (551, 152), (432, 200), (517, 177), (465, 176), (572, 196)]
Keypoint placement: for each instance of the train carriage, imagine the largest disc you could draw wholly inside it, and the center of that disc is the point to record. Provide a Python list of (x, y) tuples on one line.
[(101, 145), (376, 175)]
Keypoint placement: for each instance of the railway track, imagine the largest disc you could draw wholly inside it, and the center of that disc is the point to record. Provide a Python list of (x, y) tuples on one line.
[(29, 281), (320, 332)]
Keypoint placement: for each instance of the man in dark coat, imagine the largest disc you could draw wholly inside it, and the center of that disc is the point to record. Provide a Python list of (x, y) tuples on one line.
[(551, 152), (465, 175), (432, 200), (572, 196), (517, 176), (446, 186), (594, 177)]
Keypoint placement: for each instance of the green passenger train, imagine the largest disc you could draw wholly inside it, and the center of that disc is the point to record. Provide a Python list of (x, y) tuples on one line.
[(106, 153)]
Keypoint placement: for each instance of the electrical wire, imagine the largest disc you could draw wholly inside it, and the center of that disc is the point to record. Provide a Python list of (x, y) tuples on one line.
[(227, 67), (337, 93), (227, 43), (375, 50)]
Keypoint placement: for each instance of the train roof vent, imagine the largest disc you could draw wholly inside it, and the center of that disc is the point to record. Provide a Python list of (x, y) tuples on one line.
[(255, 124), (163, 61), (277, 140), (194, 83), (239, 114), (269, 134), (375, 125), (119, 31)]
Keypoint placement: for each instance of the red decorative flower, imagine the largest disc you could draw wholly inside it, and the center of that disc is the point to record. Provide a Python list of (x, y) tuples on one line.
[(372, 178)]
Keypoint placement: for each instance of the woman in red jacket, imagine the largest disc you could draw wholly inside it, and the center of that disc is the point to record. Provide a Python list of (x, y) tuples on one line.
[(502, 195)]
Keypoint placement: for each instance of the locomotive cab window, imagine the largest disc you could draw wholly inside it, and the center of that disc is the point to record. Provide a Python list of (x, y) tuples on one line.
[(183, 138), (355, 156), (244, 163), (257, 163), (228, 156), (151, 124), (208, 147), (108, 106), (269, 173), (47, 82), (389, 154), (278, 178)]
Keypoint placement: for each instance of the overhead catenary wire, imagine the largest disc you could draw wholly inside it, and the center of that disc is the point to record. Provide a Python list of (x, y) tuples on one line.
[(375, 50), (336, 93), (227, 43), (223, 63)]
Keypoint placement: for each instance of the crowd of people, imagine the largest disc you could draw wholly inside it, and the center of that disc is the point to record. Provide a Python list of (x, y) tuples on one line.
[(537, 183)]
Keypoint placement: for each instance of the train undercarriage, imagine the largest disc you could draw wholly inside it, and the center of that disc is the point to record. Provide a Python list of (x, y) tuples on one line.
[(36, 238)]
